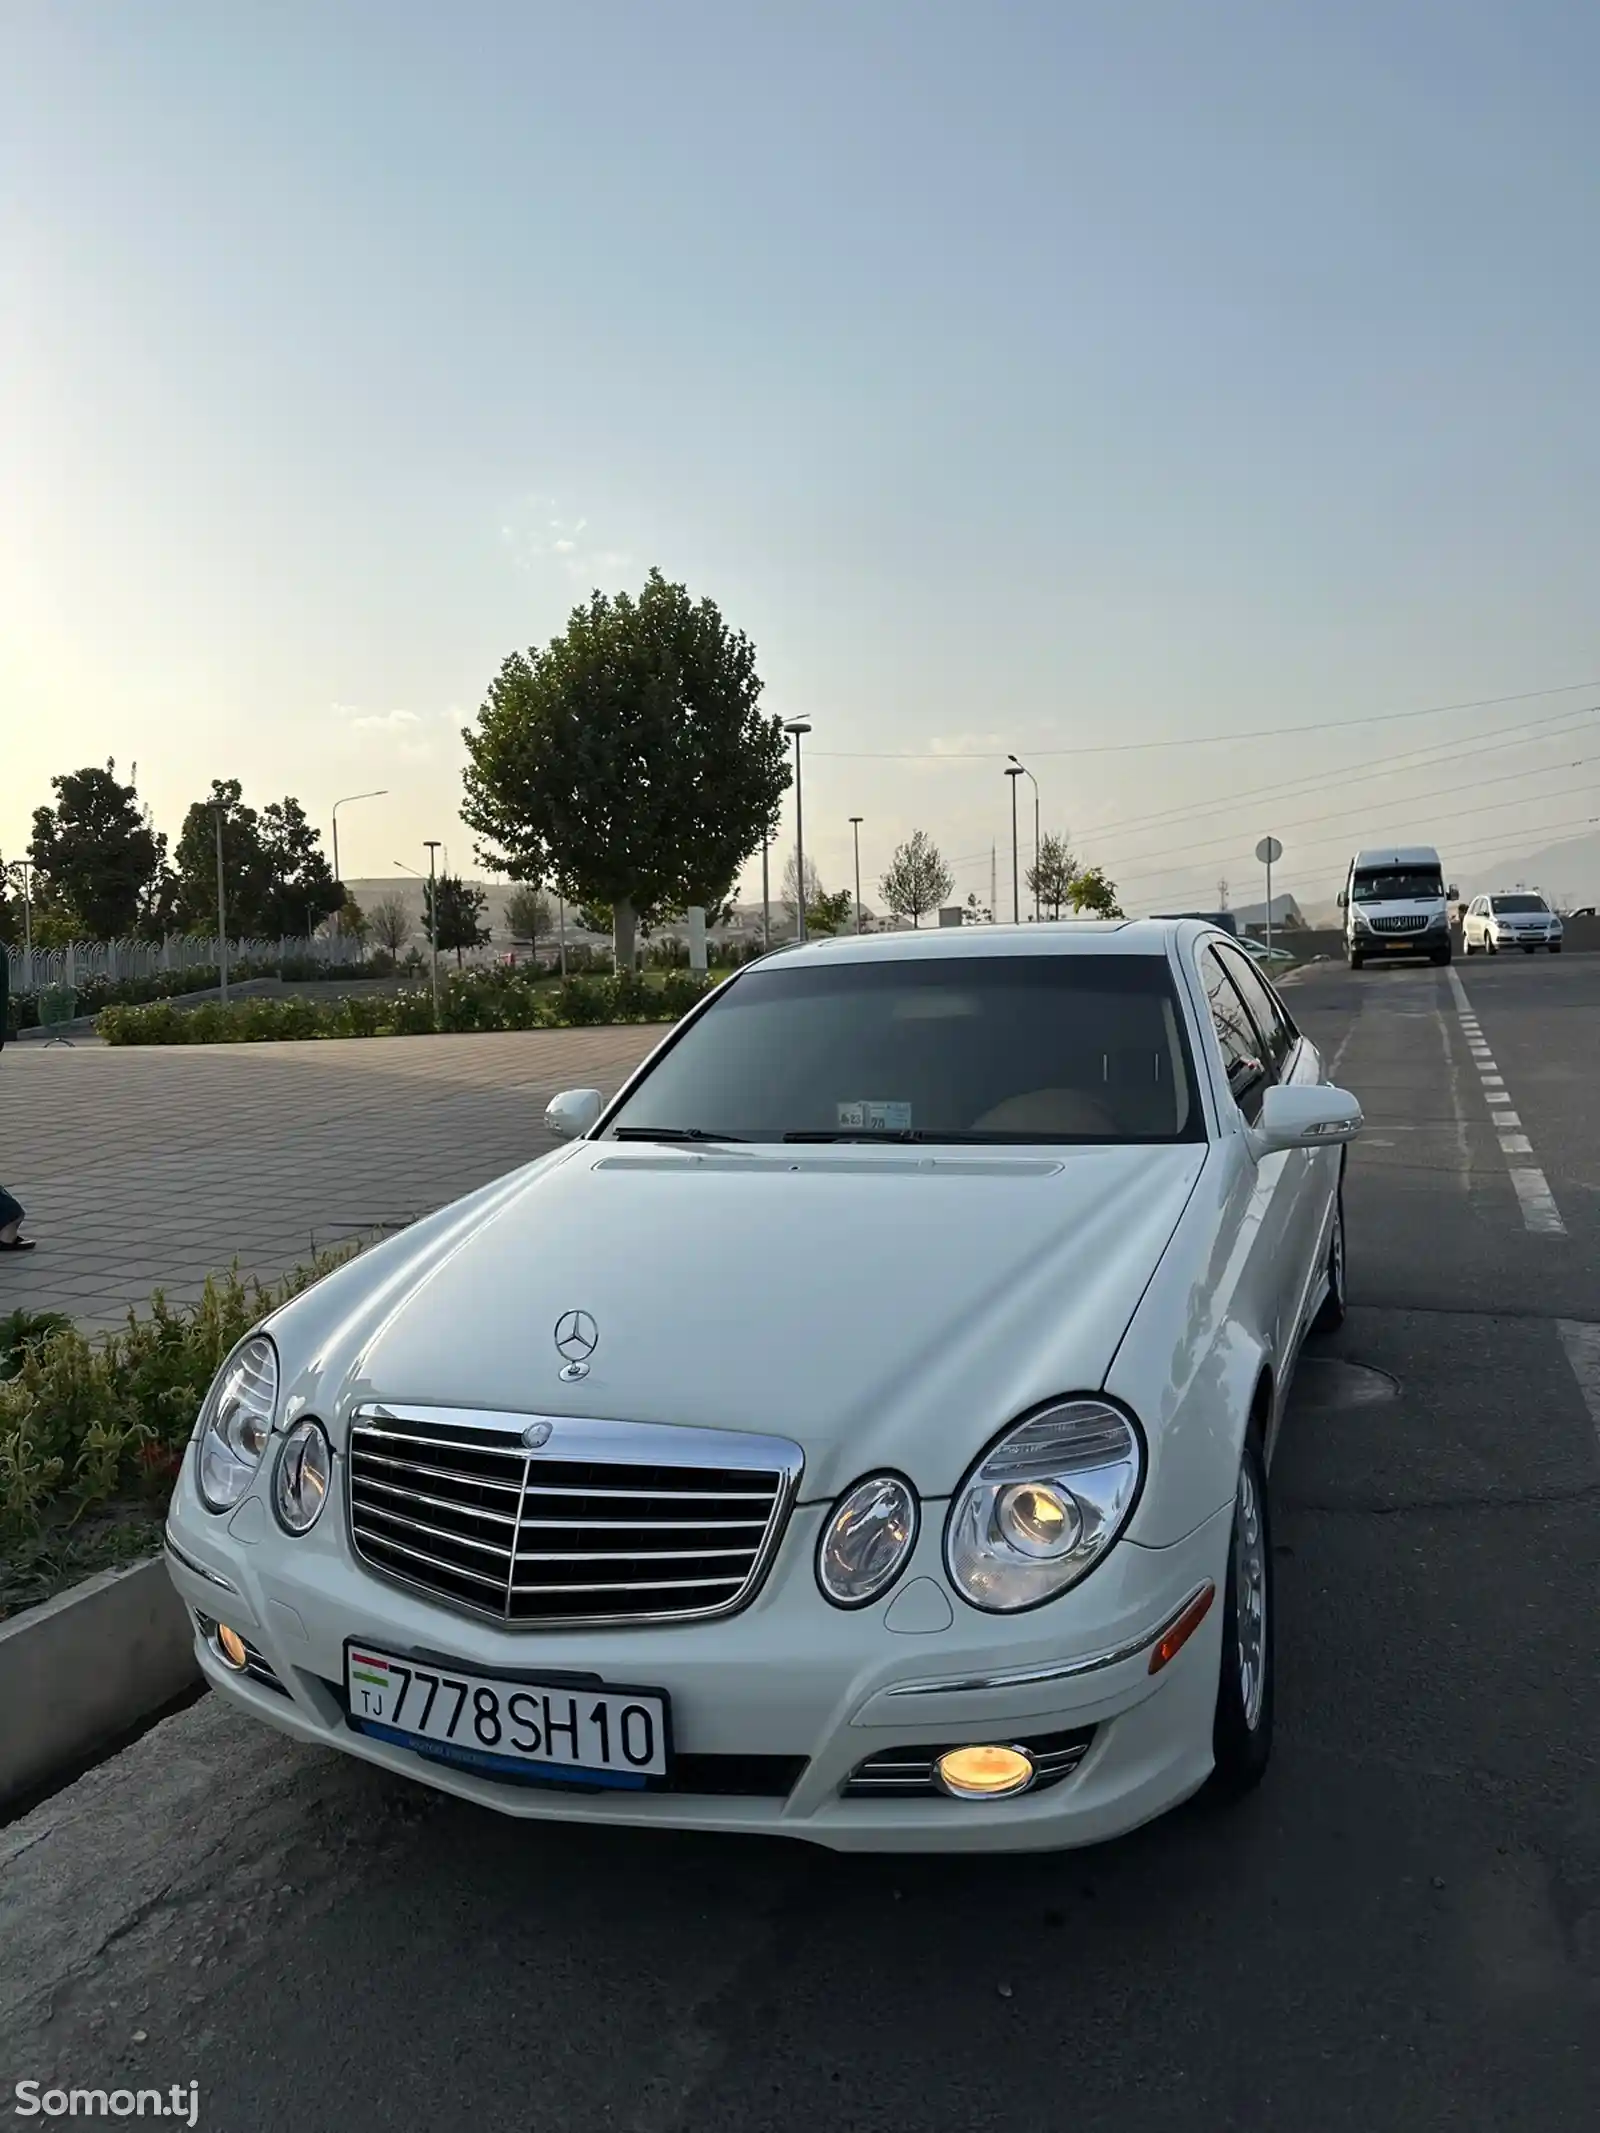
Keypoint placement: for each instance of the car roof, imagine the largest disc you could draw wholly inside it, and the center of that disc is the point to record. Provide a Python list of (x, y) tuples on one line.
[(1397, 855), (1114, 936)]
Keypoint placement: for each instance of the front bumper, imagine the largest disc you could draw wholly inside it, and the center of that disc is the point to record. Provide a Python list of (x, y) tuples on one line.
[(789, 1677), (1523, 937)]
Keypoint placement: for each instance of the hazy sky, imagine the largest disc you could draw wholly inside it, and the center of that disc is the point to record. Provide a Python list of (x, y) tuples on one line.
[(1025, 377)]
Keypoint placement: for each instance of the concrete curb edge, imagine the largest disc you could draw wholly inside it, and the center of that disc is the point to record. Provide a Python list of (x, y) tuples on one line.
[(78, 1670)]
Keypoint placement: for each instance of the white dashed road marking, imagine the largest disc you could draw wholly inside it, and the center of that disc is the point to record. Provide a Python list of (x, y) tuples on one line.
[(1540, 1213), (1582, 1343)]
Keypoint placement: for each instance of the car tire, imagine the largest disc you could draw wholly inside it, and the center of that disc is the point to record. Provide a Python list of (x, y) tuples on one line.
[(1439, 958), (1330, 1316), (1555, 947), (1466, 942), (1530, 951), (1356, 959), (1241, 1733), (1492, 944)]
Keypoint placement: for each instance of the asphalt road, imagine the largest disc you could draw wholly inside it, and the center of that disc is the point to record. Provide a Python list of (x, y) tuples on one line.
[(1401, 1930)]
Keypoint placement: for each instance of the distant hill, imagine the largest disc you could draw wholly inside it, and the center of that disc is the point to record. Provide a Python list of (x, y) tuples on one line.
[(1568, 873)]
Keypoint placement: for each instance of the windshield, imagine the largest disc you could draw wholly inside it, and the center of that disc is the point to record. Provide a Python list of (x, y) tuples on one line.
[(1519, 903), (966, 1048), (1382, 885)]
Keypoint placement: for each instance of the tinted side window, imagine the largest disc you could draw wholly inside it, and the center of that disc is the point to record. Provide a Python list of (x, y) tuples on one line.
[(1248, 1073), (1277, 1031)]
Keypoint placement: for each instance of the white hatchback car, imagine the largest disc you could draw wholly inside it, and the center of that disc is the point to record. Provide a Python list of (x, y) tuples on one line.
[(1521, 919), (859, 1432)]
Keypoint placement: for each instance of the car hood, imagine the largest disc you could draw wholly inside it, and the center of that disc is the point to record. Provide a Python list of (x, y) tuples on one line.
[(881, 1308)]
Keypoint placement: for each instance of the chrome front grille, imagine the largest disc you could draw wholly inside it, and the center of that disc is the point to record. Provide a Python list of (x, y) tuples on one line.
[(1399, 925), (602, 1522)]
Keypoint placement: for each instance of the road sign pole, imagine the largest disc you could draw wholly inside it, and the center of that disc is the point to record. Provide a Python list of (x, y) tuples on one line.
[(1267, 851)]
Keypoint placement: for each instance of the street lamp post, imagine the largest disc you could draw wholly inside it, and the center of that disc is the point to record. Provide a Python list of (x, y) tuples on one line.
[(855, 824), (1013, 773), (349, 800), (1034, 782), (766, 896), (432, 844), (797, 726), (222, 916)]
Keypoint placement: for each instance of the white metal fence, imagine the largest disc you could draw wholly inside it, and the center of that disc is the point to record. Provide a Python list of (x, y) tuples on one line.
[(114, 960)]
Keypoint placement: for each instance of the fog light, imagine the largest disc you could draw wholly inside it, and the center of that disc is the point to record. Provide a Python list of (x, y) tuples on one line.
[(984, 1773), (230, 1648)]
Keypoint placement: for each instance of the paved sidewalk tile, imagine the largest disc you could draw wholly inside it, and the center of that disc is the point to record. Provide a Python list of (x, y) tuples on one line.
[(144, 1169)]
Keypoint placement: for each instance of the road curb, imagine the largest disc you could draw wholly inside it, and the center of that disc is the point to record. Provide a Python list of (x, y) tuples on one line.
[(82, 1668)]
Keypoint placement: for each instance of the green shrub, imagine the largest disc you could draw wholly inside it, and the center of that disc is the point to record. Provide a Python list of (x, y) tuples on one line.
[(85, 1422), (469, 1000)]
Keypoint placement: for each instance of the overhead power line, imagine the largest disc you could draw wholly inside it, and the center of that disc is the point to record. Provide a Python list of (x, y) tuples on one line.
[(1337, 843), (1200, 740)]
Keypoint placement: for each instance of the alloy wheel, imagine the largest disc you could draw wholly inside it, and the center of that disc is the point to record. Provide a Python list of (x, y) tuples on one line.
[(1250, 1596)]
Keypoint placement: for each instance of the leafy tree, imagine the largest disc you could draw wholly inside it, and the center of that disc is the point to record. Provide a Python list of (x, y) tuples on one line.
[(301, 891), (158, 905), (244, 863), (1052, 874), (276, 879), (350, 918), (629, 758), (461, 906), (978, 914), (1092, 892), (528, 914), (918, 879), (831, 914), (96, 851), (596, 916)]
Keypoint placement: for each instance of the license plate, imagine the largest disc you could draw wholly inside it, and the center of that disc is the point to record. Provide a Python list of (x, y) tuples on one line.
[(540, 1731)]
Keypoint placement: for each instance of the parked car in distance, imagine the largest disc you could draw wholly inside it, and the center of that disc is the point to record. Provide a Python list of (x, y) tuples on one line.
[(860, 1430), (1264, 954), (1518, 918)]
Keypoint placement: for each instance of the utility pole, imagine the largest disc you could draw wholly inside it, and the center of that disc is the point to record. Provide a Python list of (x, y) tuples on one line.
[(994, 881), (855, 823), (766, 898), (433, 924), (222, 914), (1014, 772), (1222, 893), (797, 726), (1034, 782)]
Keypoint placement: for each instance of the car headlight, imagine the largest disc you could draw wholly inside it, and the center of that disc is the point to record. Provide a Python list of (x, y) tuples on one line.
[(1043, 1506), (1361, 922), (868, 1540), (304, 1475), (236, 1422)]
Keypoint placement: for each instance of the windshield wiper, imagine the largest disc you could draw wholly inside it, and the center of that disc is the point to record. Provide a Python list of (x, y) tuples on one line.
[(669, 1133)]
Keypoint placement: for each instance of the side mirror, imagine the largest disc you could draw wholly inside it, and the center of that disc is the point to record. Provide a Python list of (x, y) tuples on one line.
[(573, 1113), (1314, 1117), (1452, 891), (1343, 900)]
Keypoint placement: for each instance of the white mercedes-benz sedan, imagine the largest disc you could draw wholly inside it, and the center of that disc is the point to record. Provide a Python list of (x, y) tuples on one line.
[(859, 1430)]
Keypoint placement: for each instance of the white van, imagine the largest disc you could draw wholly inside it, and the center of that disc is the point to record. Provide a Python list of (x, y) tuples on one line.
[(1395, 903)]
